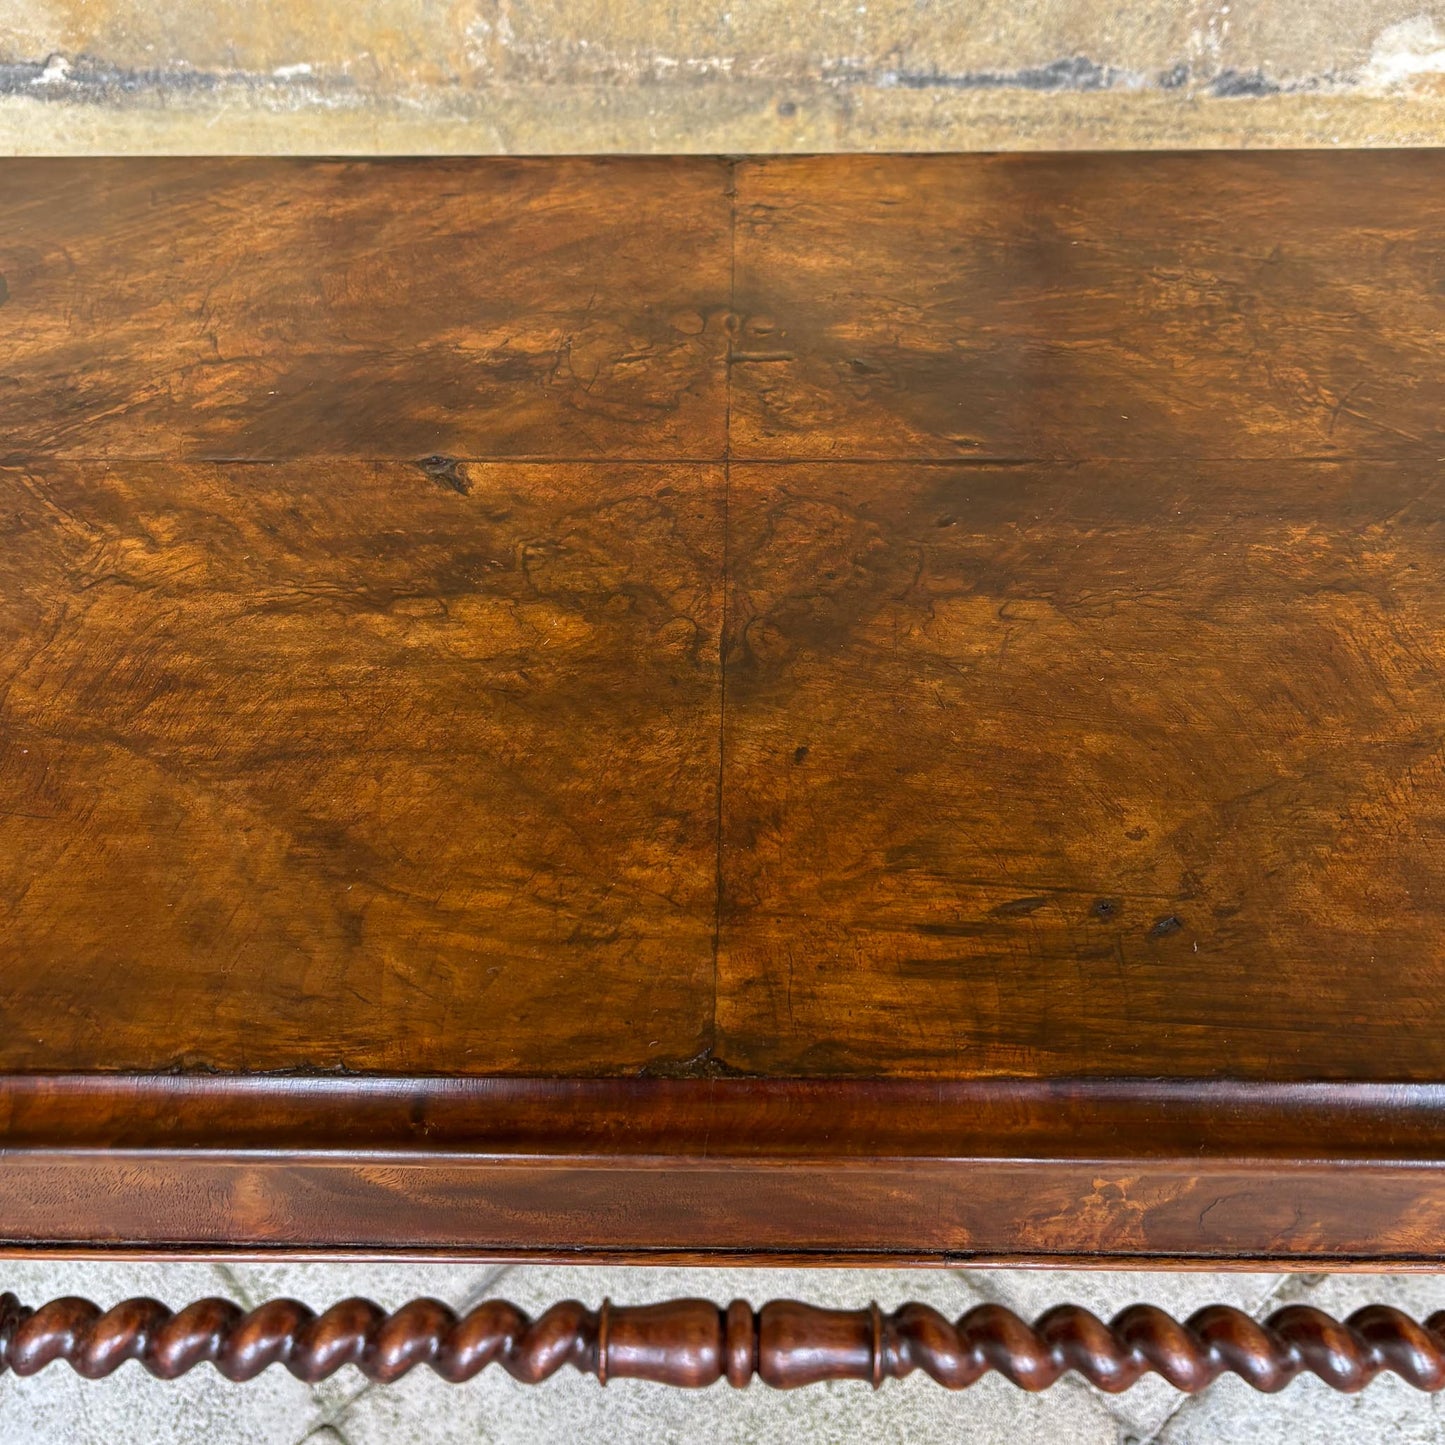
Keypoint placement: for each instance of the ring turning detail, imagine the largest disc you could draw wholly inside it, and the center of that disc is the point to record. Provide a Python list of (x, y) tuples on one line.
[(693, 1343)]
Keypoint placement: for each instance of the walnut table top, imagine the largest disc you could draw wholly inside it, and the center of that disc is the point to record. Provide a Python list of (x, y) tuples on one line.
[(802, 708)]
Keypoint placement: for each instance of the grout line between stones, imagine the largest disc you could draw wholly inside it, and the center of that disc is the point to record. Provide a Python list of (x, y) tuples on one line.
[(973, 1282), (1187, 1403), (325, 1432), (334, 1415), (1286, 1288), (233, 1283)]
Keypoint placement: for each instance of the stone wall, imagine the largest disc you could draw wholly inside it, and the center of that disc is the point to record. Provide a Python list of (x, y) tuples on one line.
[(754, 75)]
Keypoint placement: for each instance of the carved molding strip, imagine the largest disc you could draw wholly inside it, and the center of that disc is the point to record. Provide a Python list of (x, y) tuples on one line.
[(692, 1342)]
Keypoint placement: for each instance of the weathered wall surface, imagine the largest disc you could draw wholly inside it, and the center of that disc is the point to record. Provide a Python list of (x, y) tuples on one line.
[(753, 75)]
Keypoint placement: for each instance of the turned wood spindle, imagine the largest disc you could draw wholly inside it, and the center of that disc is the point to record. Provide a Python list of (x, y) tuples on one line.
[(693, 1343)]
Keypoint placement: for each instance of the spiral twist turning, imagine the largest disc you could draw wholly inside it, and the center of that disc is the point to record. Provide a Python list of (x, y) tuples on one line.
[(695, 1343)]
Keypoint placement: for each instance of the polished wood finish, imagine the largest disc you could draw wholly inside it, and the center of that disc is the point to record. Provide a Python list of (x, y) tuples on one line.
[(859, 708), (723, 1170), (282, 309), (1088, 770), (420, 771), (1117, 1213), (692, 1343), (1076, 306)]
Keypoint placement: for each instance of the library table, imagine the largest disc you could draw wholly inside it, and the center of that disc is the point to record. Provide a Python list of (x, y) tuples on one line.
[(828, 710)]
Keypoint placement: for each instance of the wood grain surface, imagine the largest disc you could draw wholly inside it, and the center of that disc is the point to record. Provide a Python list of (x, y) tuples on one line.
[(1087, 769), (929, 623), (244, 309), (1118, 1214), (1090, 306), (348, 765)]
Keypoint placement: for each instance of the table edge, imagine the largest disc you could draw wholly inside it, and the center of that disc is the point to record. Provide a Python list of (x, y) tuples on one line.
[(788, 1120)]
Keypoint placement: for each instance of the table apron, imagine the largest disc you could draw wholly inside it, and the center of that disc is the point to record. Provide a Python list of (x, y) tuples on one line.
[(1311, 1214)]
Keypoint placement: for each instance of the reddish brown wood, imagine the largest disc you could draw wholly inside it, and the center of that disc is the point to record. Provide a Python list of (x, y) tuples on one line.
[(726, 1169), (1085, 306), (241, 308), (321, 767), (692, 1343), (1301, 1216), (1083, 770), (806, 708), (641, 1122)]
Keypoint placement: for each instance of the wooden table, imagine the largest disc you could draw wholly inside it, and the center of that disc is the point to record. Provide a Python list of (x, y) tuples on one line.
[(853, 709)]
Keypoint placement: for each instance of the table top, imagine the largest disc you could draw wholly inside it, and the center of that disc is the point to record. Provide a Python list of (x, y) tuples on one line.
[(869, 625)]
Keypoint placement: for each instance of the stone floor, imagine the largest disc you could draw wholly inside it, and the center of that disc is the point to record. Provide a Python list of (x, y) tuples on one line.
[(57, 1406)]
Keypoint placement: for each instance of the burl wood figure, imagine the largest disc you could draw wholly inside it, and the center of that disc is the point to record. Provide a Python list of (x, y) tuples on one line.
[(826, 710)]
